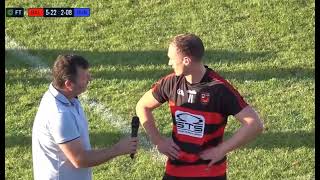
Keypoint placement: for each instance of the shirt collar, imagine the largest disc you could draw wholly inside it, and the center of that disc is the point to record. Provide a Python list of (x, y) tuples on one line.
[(58, 95), (205, 77)]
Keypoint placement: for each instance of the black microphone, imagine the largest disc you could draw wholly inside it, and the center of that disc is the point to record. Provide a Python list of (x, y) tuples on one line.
[(134, 129)]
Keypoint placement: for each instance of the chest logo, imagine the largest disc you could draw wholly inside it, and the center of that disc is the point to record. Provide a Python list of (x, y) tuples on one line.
[(190, 124), (205, 98)]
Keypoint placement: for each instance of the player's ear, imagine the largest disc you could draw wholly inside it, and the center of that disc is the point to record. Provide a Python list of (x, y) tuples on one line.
[(186, 60)]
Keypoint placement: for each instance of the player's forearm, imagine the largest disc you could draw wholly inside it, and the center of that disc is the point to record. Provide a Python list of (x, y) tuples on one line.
[(244, 135), (152, 131), (148, 123)]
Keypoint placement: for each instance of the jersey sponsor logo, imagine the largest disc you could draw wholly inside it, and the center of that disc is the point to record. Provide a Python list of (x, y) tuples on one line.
[(191, 97), (180, 92), (205, 98), (190, 124)]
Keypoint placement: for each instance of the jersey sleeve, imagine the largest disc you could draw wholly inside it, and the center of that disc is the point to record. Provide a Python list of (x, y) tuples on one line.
[(232, 101), (63, 127), (161, 89)]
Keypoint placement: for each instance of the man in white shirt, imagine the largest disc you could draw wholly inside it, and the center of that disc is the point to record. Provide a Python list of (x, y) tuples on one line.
[(60, 140)]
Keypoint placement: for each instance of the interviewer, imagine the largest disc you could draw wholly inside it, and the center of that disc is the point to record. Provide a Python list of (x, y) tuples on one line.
[(61, 147)]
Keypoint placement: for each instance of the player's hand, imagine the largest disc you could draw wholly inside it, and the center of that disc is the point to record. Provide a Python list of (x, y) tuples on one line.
[(167, 147), (214, 154), (126, 146)]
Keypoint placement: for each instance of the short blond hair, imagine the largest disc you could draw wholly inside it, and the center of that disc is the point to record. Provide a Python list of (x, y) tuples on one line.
[(189, 44)]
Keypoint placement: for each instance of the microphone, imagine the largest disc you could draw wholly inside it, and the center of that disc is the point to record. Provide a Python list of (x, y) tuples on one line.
[(134, 129)]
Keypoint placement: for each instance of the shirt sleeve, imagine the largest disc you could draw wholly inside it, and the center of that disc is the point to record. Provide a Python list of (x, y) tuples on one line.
[(63, 127), (161, 89), (232, 101)]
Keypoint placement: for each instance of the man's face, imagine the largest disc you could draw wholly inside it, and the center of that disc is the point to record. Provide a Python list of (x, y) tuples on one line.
[(176, 60), (82, 81)]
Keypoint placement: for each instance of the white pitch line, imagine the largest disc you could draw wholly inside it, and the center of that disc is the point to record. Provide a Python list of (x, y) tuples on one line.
[(121, 124), (21, 51), (94, 106)]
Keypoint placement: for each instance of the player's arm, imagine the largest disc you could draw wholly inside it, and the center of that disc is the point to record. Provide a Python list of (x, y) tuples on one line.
[(251, 126), (82, 158), (144, 111)]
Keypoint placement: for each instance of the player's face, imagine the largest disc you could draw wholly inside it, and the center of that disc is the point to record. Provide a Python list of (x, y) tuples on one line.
[(82, 81), (176, 60)]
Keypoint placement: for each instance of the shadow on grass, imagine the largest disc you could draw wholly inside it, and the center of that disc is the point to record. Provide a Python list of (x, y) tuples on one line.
[(268, 140), (240, 75), (137, 58), (155, 57), (298, 73)]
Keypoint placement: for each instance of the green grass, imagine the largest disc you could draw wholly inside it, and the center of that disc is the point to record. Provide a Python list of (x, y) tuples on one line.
[(264, 48)]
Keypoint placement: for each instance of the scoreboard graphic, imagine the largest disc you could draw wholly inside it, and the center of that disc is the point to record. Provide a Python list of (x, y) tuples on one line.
[(48, 12)]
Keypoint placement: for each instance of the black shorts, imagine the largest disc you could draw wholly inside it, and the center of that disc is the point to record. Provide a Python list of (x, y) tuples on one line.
[(168, 177)]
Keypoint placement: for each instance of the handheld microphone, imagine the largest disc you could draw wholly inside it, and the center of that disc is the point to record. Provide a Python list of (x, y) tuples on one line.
[(134, 129)]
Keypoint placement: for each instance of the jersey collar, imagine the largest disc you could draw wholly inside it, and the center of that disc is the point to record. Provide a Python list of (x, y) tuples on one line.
[(204, 77)]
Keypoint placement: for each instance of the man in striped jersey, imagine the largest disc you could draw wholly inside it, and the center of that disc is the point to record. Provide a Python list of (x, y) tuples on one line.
[(200, 102)]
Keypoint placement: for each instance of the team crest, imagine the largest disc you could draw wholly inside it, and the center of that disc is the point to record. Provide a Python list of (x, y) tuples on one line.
[(205, 98)]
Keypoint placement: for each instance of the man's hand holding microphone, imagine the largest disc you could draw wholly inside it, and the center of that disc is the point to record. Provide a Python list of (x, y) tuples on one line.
[(129, 145)]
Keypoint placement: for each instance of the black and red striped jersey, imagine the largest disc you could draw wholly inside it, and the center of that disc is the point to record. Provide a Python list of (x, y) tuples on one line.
[(199, 112)]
